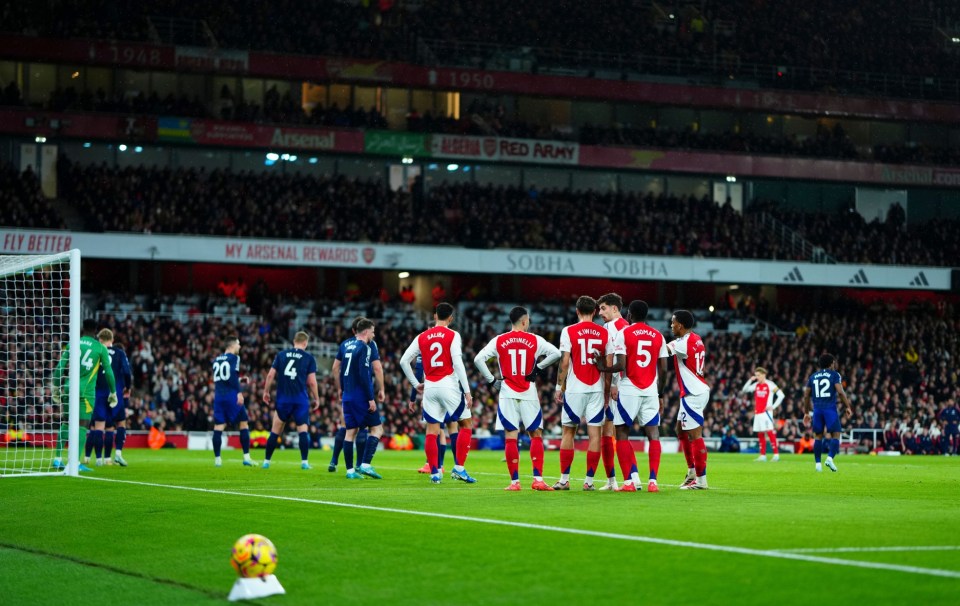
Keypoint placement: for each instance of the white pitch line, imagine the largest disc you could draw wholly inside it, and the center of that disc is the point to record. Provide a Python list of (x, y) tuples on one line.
[(873, 549), (936, 572)]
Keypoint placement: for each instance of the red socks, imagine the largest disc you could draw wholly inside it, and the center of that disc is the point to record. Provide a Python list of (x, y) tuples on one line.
[(607, 449), (433, 452), (687, 449), (763, 442), (627, 458), (773, 441), (536, 456), (654, 450), (593, 461), (464, 437), (699, 456), (512, 453), (566, 460)]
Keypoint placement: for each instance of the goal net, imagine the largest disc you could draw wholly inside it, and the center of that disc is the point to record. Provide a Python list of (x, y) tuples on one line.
[(39, 323)]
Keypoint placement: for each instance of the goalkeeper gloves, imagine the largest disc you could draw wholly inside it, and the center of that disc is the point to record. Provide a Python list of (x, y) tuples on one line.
[(536, 372), (112, 400)]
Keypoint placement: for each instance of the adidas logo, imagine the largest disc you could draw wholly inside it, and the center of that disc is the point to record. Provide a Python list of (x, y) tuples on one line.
[(793, 276), (859, 278), (919, 280)]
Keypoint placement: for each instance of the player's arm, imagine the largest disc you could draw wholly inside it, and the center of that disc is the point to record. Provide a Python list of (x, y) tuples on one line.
[(562, 377), (456, 355), (807, 404), (843, 398), (378, 384), (406, 365), (112, 399), (268, 383), (778, 397), (367, 381), (312, 391), (488, 352), (58, 376), (750, 386), (661, 380), (550, 355), (127, 374), (237, 381), (335, 371)]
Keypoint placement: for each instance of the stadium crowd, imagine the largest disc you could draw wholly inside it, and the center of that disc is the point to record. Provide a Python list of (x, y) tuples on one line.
[(484, 118), (896, 365), (831, 44), (225, 203)]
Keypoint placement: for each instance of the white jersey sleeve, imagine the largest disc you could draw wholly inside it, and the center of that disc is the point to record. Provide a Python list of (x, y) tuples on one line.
[(407, 359), (456, 354), (480, 360), (544, 348), (565, 343)]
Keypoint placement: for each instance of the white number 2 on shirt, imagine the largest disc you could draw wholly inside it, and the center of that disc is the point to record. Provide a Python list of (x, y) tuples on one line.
[(291, 371), (587, 348), (437, 350), (514, 355)]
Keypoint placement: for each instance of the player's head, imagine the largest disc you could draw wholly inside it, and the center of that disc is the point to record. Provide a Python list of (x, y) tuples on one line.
[(443, 312), (681, 322), (231, 344), (356, 321), (586, 307), (827, 361), (105, 336), (760, 372), (301, 339), (519, 318), (89, 328), (365, 329), (638, 310), (610, 306)]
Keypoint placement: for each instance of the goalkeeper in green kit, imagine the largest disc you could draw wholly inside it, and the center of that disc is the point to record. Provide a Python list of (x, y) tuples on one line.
[(93, 357)]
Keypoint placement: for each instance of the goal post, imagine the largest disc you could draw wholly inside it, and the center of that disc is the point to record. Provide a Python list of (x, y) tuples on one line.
[(39, 324)]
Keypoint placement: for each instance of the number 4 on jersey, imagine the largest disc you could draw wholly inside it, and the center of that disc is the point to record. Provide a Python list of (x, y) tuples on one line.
[(291, 371)]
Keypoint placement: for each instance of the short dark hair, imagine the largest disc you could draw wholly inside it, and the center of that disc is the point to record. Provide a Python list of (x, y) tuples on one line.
[(684, 318), (516, 313), (611, 298), (363, 324), (443, 310), (586, 305), (356, 321), (230, 341), (827, 360), (89, 327), (638, 310)]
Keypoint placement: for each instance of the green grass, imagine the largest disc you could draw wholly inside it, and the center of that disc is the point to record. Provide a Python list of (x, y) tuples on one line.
[(64, 540)]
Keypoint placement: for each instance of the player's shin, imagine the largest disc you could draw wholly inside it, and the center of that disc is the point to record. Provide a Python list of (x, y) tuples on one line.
[(441, 454), (107, 444), (654, 450), (593, 462), (512, 453), (217, 442), (462, 448), (121, 439), (536, 457), (96, 436), (453, 447), (773, 442), (432, 449), (370, 448), (245, 442), (304, 443), (608, 450), (348, 454), (272, 442), (817, 449), (566, 460), (763, 443), (338, 445), (627, 458), (699, 457)]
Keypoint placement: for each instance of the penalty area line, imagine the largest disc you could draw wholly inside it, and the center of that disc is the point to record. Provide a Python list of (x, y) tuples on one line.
[(783, 555), (891, 548)]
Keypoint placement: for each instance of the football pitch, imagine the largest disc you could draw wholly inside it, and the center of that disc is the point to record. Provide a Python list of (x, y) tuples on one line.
[(880, 531)]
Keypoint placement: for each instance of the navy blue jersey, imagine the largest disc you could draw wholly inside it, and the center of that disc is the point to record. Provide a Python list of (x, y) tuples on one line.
[(226, 377), (293, 366), (950, 415), (121, 372), (356, 376), (823, 388)]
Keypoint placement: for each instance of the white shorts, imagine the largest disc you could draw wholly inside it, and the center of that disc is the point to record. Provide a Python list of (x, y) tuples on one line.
[(763, 422), (583, 407), (511, 412), (443, 405), (690, 413), (630, 408)]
